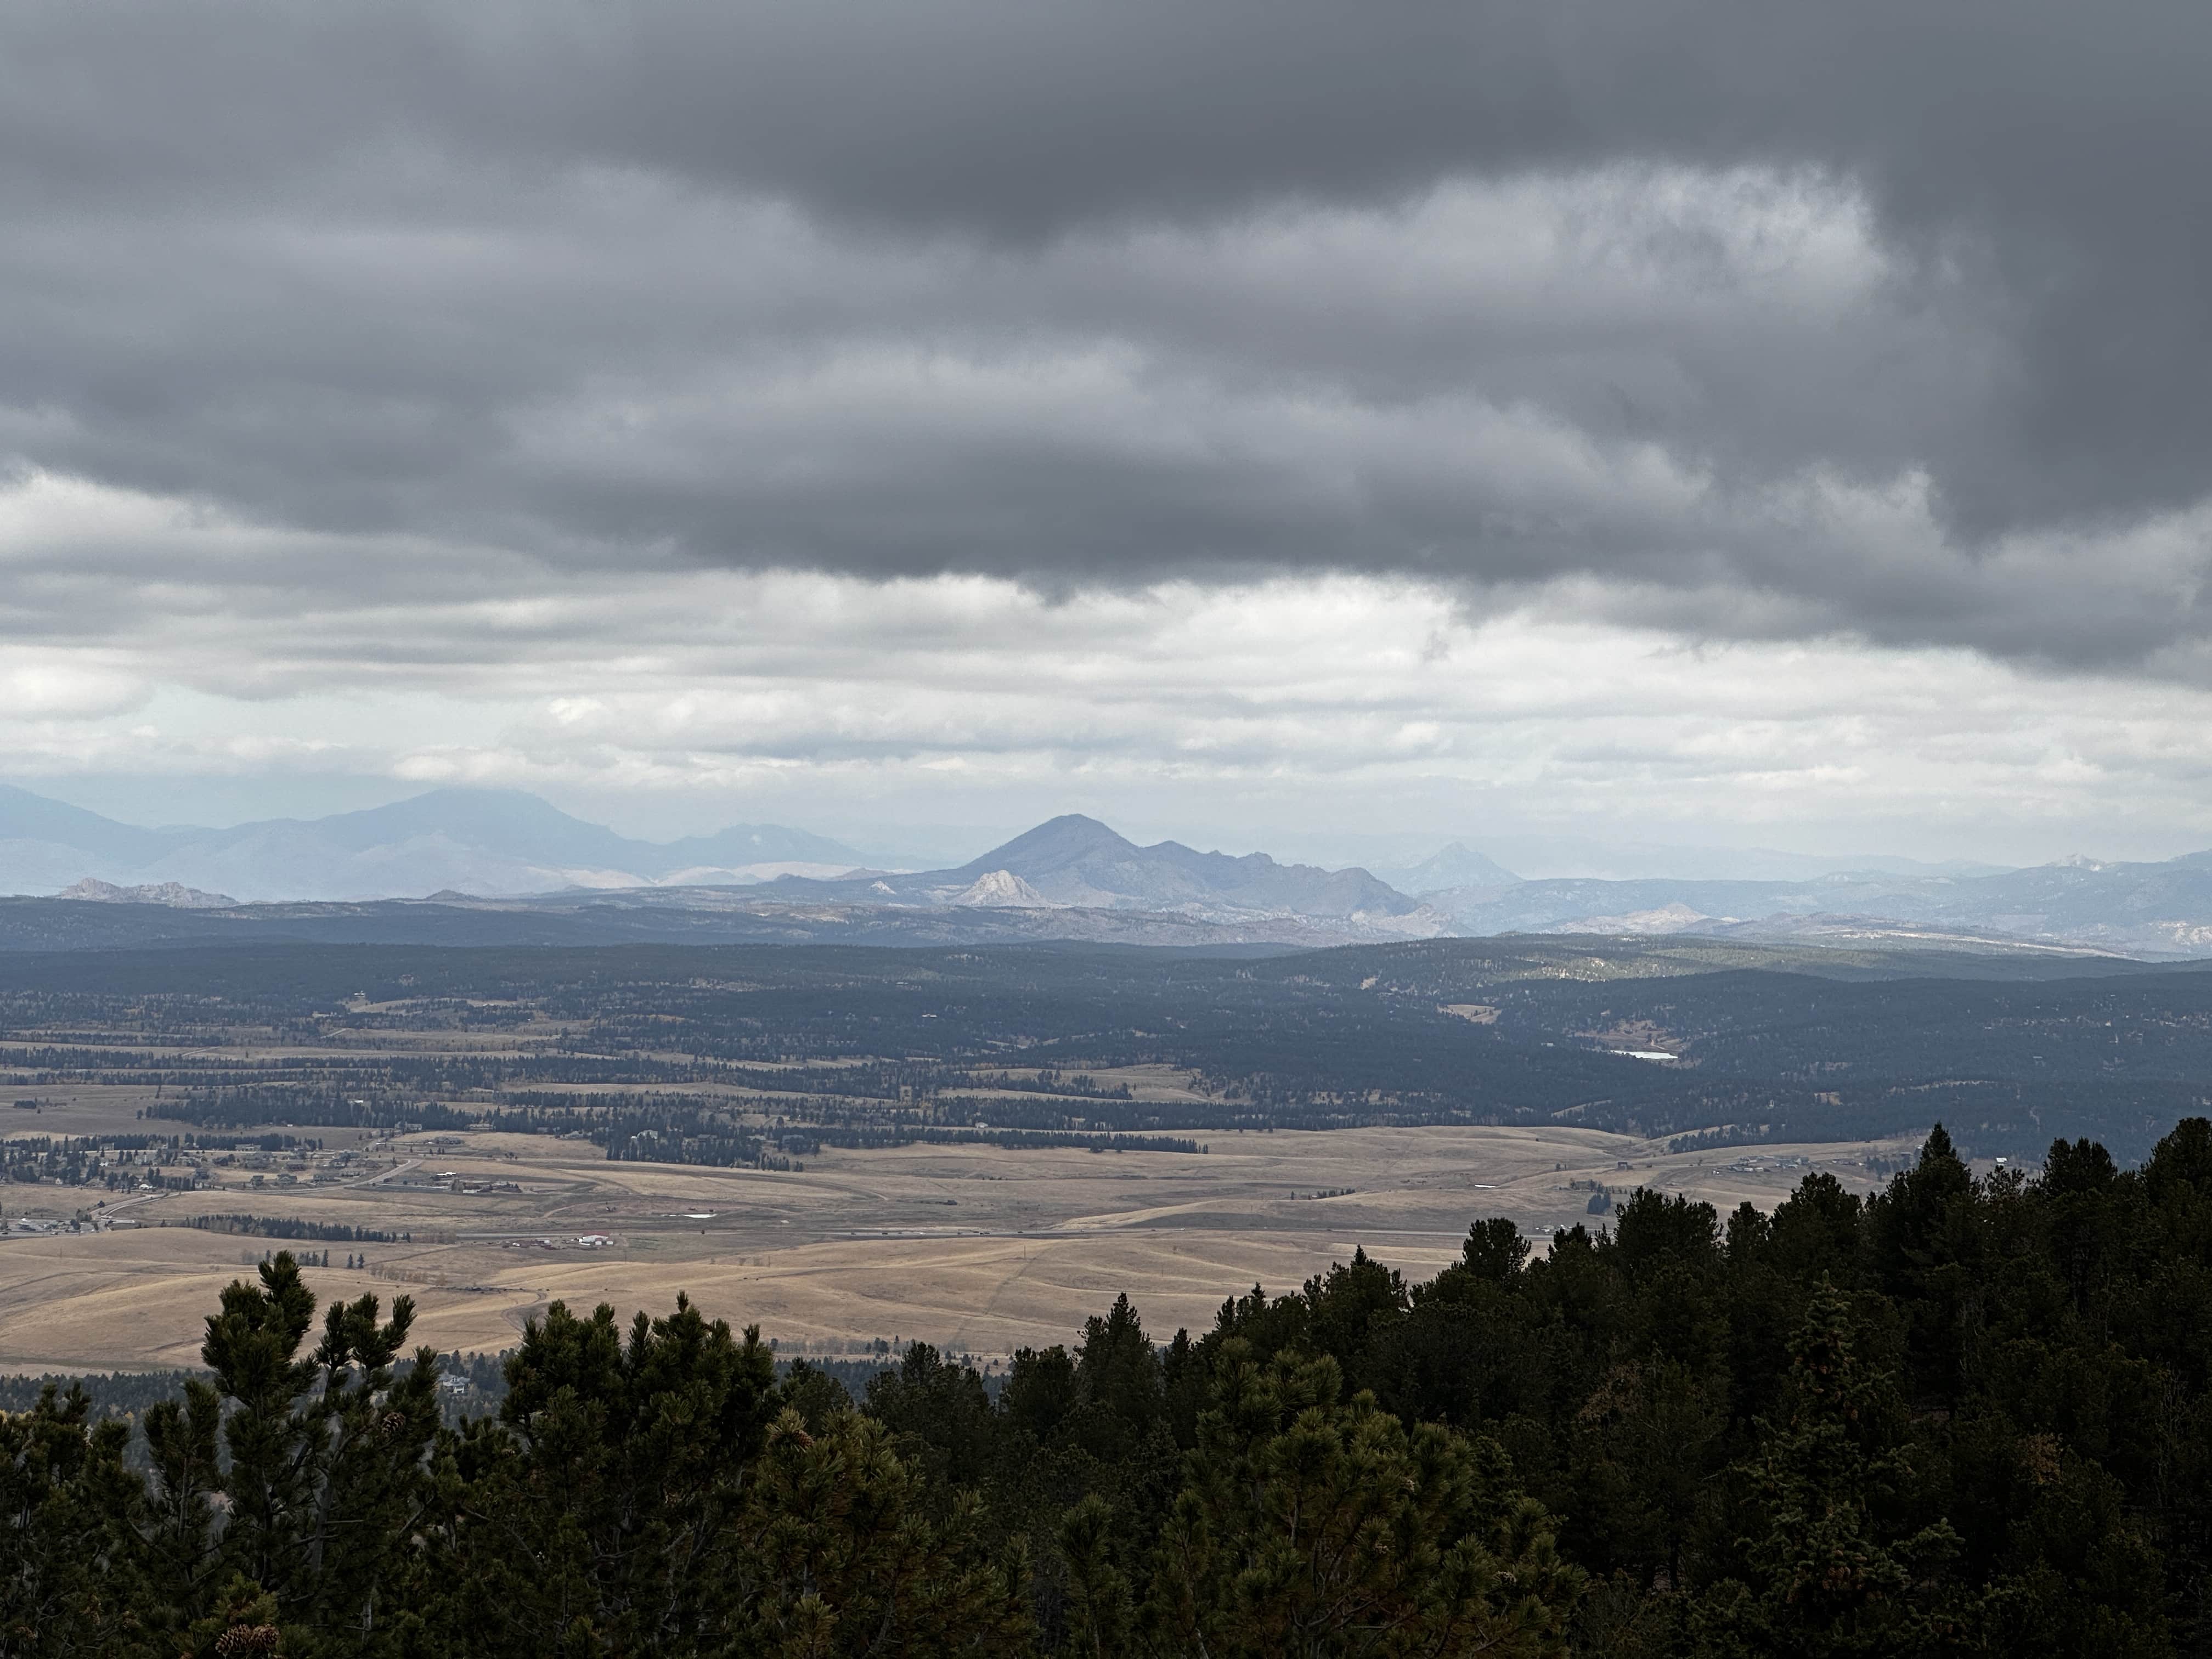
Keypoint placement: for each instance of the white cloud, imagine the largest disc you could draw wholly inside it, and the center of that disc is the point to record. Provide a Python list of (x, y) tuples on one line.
[(1339, 704), (44, 686)]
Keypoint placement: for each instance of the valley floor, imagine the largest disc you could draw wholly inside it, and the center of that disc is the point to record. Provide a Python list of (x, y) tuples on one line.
[(977, 1249)]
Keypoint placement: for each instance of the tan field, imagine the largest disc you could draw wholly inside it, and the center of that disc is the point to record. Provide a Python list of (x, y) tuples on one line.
[(978, 1250)]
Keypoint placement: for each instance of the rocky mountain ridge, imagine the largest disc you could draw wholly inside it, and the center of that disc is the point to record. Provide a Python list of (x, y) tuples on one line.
[(177, 897), (1076, 863)]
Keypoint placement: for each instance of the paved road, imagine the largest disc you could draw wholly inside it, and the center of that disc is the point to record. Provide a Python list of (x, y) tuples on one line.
[(377, 1180), (104, 1216)]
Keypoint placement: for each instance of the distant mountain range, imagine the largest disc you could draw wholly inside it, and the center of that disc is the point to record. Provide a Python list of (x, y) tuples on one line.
[(503, 867), (492, 842), (2138, 908), (1456, 868), (169, 893), (1077, 863)]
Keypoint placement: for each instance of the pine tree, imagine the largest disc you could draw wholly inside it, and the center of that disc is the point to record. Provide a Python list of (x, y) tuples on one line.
[(326, 1480), (656, 1497), (1311, 1527), (69, 1584), (1100, 1615), (592, 1516), (834, 1556), (1842, 1563)]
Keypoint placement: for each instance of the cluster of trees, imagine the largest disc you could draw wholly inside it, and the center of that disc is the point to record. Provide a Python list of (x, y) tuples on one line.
[(74, 1162), (1965, 1417), (285, 1226), (351, 1104)]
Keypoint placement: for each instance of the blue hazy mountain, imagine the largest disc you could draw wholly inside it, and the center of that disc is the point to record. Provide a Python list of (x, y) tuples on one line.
[(1457, 865), (34, 820), (475, 841), (2162, 909), (501, 844), (1077, 862)]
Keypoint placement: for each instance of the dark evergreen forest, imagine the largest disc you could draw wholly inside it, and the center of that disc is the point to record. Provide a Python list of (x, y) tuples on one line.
[(1966, 1417), (848, 1047)]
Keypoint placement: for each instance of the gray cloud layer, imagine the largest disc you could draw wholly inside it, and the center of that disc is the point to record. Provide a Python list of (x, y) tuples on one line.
[(1765, 319)]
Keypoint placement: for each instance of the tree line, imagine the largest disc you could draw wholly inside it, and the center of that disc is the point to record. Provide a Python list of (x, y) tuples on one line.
[(1966, 1416)]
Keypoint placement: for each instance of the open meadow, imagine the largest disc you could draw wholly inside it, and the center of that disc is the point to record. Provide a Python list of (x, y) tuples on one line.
[(976, 1149), (976, 1249)]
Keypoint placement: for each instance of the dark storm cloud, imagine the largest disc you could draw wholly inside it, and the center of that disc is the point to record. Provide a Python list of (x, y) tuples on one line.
[(1105, 292)]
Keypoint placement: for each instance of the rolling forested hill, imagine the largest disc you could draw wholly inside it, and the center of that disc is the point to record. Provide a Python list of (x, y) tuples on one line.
[(1754, 1044)]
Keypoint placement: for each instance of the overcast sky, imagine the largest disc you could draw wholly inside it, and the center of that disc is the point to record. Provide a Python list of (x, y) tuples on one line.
[(1265, 423)]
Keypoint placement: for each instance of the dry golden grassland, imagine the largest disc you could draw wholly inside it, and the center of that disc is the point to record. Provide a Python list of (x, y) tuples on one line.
[(976, 1249)]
